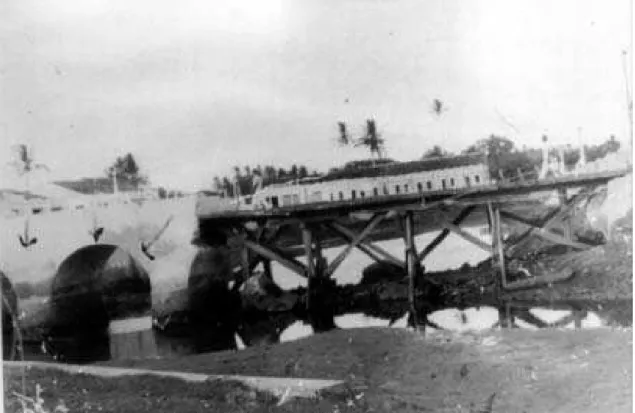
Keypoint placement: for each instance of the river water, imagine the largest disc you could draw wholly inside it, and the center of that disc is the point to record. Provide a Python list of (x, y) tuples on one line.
[(137, 338)]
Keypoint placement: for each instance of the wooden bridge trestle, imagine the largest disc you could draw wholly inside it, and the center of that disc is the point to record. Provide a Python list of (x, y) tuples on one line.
[(259, 234)]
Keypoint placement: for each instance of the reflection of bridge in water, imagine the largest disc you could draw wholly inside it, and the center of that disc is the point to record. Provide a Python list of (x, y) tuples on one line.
[(137, 338)]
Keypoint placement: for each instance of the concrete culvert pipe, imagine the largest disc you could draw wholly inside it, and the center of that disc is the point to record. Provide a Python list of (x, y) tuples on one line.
[(97, 284), (9, 311)]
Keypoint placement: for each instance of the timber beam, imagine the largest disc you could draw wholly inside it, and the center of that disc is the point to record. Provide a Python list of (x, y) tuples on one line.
[(544, 233), (373, 251), (445, 232), (253, 261), (466, 235), (372, 223), (309, 250), (493, 211), (272, 253), (542, 228), (411, 260)]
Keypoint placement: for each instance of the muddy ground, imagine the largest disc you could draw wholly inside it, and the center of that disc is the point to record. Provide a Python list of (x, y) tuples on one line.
[(385, 370)]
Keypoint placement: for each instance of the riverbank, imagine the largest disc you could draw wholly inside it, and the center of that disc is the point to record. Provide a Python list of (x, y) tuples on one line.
[(389, 370)]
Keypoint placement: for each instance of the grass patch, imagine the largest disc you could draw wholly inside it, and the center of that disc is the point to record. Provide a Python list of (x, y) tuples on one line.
[(81, 392)]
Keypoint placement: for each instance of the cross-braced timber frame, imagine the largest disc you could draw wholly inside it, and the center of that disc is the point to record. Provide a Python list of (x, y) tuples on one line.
[(359, 224)]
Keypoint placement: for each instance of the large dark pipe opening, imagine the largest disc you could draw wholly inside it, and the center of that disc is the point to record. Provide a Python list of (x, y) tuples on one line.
[(9, 312), (92, 286)]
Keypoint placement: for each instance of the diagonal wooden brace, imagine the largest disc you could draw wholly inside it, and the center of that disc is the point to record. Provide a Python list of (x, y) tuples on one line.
[(548, 221), (374, 221), (559, 239), (273, 253), (444, 233), (544, 233), (373, 251), (255, 260), (468, 237)]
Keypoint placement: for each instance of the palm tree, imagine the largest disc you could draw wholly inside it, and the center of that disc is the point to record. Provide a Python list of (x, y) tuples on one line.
[(344, 138), (438, 107), (24, 165), (372, 139)]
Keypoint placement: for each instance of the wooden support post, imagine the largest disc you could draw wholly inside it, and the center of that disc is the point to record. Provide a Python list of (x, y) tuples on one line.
[(567, 227), (578, 319), (321, 265), (444, 233), (307, 239), (497, 242), (321, 313), (504, 316), (310, 262), (266, 266), (375, 252), (411, 260), (244, 258)]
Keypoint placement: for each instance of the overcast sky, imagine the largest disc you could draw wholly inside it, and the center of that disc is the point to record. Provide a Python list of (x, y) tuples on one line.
[(196, 86)]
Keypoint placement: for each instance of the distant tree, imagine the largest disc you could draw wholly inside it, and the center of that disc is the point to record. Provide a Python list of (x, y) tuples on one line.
[(126, 169), (435, 152), (294, 171), (303, 172), (259, 170), (162, 192), (269, 175), (227, 186), (501, 155)]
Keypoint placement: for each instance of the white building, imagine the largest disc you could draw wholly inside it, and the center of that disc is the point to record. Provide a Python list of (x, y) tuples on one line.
[(439, 174)]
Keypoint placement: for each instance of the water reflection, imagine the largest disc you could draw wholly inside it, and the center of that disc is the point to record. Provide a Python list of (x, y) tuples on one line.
[(140, 338)]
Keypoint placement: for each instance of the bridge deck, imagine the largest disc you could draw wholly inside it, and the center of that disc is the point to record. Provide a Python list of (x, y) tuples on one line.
[(504, 192)]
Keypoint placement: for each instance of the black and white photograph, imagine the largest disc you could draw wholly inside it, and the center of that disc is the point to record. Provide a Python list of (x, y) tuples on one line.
[(316, 206)]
